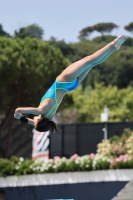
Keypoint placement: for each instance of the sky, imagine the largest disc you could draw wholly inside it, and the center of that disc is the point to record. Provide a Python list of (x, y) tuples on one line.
[(64, 19)]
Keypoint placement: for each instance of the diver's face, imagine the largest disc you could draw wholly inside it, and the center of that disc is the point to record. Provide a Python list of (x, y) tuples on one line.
[(37, 119)]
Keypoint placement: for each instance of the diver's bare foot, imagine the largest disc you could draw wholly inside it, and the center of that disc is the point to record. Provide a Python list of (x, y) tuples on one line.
[(119, 41)]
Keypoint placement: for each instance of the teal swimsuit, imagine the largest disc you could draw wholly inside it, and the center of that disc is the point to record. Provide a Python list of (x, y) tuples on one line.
[(51, 93)]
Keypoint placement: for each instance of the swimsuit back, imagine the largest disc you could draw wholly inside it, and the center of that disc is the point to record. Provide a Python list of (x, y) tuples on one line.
[(51, 93)]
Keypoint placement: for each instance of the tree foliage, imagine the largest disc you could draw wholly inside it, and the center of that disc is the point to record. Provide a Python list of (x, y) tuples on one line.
[(2, 32), (100, 27), (90, 103), (32, 62), (116, 70), (85, 32), (70, 51), (105, 27), (27, 69), (32, 30), (129, 28), (65, 48)]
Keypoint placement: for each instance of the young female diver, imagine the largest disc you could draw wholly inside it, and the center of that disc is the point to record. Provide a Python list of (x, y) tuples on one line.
[(68, 80)]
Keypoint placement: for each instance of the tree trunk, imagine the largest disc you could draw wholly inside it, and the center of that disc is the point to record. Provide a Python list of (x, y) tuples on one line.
[(17, 100), (10, 134), (2, 126), (5, 119)]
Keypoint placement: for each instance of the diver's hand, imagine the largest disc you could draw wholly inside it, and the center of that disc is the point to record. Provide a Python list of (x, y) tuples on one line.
[(17, 111), (17, 115)]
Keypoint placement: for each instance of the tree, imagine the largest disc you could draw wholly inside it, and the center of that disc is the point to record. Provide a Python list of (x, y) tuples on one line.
[(85, 32), (129, 42), (27, 69), (2, 32), (129, 28), (32, 30), (116, 70), (100, 27), (65, 48), (90, 103), (68, 50), (104, 28)]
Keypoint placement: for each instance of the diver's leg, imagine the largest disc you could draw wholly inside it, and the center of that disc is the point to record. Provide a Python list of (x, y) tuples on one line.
[(76, 69), (85, 72)]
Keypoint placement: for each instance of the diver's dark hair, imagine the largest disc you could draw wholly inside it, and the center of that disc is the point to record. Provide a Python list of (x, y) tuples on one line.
[(46, 125)]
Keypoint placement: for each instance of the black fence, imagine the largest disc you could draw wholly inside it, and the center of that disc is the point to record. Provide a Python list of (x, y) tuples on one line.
[(79, 138), (83, 138)]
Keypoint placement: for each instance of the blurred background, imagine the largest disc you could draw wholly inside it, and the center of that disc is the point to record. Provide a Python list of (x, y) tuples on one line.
[(39, 39)]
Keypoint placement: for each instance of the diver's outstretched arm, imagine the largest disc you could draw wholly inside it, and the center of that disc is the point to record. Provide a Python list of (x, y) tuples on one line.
[(29, 110)]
